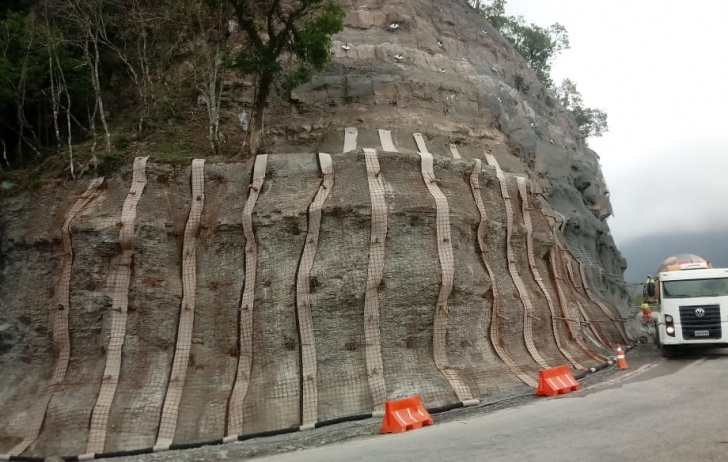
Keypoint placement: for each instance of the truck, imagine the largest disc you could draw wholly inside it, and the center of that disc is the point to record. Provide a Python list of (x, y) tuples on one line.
[(693, 300)]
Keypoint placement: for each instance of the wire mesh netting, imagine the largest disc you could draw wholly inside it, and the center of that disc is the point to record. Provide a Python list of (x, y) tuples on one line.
[(337, 282), (471, 302), (338, 286), (220, 267), (29, 278)]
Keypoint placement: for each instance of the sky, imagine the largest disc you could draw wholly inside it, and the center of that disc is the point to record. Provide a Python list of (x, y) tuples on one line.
[(659, 68)]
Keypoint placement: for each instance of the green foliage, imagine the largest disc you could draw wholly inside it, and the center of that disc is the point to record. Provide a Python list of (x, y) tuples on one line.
[(312, 41), (591, 122), (286, 40), (277, 29), (538, 45), (22, 62), (495, 13), (296, 77), (9, 6), (25, 91), (179, 154)]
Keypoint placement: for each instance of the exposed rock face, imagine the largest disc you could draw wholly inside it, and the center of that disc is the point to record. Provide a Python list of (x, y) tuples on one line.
[(474, 90), (441, 277)]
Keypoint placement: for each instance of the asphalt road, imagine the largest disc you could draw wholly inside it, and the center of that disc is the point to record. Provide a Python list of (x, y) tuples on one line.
[(658, 410)]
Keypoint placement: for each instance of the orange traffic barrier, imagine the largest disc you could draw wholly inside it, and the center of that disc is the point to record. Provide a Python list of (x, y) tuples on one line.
[(404, 414), (621, 361), (556, 380)]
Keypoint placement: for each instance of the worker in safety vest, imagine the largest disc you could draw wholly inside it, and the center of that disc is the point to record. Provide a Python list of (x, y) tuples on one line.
[(648, 289), (646, 312)]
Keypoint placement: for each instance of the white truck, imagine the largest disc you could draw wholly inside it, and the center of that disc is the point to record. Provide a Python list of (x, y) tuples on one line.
[(693, 308)]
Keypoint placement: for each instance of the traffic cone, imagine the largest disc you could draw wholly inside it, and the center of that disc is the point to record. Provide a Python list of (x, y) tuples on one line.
[(621, 362)]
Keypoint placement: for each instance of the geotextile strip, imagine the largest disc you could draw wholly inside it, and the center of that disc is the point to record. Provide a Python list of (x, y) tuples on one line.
[(495, 314), (421, 146), (245, 358), (60, 307), (170, 409), (385, 137), (593, 326), (309, 388), (375, 272), (517, 281), (617, 322), (350, 135), (118, 288), (523, 191), (568, 317), (447, 266)]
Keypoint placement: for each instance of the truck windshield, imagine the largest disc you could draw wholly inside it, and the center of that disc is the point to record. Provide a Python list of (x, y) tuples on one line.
[(695, 288)]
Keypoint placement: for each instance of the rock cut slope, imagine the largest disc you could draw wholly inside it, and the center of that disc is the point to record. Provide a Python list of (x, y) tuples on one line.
[(450, 244), (365, 276)]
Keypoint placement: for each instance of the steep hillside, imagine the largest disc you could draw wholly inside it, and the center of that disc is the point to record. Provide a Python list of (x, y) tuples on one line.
[(431, 225)]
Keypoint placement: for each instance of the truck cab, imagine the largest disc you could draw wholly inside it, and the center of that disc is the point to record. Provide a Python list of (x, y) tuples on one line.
[(693, 308)]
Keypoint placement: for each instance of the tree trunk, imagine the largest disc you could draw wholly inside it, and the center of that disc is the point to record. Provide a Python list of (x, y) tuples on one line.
[(68, 120), (55, 96), (256, 120), (5, 154), (96, 83)]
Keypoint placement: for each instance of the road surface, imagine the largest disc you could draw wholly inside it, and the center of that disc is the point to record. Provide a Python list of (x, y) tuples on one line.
[(659, 410)]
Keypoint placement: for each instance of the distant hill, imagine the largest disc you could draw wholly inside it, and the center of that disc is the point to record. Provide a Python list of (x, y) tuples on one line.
[(645, 254)]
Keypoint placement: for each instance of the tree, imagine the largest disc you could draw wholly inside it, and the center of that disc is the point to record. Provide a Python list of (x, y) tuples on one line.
[(23, 70), (298, 29), (591, 122), (205, 24), (538, 45)]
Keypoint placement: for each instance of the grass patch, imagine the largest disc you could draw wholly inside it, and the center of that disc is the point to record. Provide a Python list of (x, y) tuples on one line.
[(171, 154)]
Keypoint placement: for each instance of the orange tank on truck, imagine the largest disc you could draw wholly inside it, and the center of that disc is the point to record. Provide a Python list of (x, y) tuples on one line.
[(693, 298), (680, 262)]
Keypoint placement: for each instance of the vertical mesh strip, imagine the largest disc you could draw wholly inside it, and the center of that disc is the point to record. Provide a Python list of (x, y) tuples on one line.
[(447, 266), (594, 324), (60, 309), (170, 409), (118, 287), (617, 322), (482, 229), (421, 146), (572, 319), (385, 137), (523, 191), (528, 315), (350, 135), (245, 360), (309, 396), (375, 272)]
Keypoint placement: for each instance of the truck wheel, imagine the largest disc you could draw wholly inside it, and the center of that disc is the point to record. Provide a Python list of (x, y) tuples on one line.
[(669, 351)]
